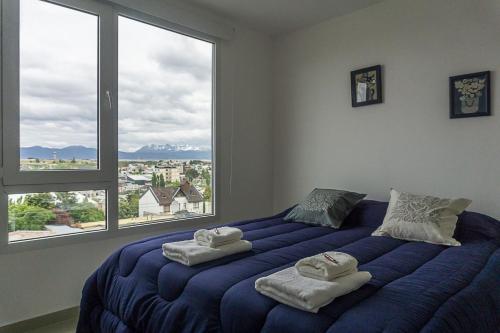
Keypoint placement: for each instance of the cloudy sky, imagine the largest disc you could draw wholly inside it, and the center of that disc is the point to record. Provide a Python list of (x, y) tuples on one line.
[(165, 82)]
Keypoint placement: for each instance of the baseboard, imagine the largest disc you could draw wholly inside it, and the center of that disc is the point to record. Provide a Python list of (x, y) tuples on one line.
[(45, 320)]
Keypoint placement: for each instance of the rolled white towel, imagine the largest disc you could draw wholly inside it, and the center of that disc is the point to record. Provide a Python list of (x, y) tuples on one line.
[(291, 288), (190, 253), (327, 266), (218, 236)]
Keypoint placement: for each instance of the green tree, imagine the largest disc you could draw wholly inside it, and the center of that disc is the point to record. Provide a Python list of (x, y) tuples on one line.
[(86, 212), (42, 200), (25, 217), (192, 174), (129, 207), (154, 180), (37, 160), (206, 175), (67, 199), (207, 196), (124, 209), (133, 200), (73, 160), (162, 181), (122, 164), (174, 184)]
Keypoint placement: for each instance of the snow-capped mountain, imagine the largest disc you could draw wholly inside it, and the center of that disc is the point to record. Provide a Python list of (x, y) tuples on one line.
[(167, 147), (149, 152)]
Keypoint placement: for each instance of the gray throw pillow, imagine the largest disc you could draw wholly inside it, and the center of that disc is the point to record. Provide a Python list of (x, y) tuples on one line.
[(326, 207)]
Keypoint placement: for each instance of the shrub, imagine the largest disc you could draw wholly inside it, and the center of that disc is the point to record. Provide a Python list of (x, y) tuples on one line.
[(86, 212), (42, 200), (26, 217), (192, 174), (129, 207)]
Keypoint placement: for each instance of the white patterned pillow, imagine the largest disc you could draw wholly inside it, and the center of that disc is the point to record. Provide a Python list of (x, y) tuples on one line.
[(422, 218)]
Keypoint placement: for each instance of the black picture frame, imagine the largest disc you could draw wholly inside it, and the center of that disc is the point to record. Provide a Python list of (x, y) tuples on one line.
[(472, 105), (372, 95)]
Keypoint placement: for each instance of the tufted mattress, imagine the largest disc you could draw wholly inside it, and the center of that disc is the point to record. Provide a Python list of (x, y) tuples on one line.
[(416, 286)]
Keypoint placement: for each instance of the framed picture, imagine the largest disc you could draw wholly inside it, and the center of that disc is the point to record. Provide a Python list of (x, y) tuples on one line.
[(470, 95), (366, 86)]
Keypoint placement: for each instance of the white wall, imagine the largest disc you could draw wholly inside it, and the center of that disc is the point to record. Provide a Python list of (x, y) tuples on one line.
[(408, 142), (39, 282), (319, 140)]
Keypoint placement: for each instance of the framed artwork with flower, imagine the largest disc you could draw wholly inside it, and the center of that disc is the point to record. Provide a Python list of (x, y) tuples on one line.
[(470, 95), (366, 86)]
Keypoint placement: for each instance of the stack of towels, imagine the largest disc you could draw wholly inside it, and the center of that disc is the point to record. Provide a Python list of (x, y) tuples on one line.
[(207, 245), (314, 281)]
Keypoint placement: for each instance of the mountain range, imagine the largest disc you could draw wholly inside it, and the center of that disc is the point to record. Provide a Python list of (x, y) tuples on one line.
[(149, 152)]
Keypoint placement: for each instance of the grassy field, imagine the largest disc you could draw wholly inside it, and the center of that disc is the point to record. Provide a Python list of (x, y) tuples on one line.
[(37, 164)]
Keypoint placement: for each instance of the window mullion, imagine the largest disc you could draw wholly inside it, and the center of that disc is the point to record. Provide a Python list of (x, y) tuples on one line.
[(109, 107), (10, 91), (4, 230), (4, 225)]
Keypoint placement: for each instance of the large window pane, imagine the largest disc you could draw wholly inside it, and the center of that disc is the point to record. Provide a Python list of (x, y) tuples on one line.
[(38, 215), (165, 124), (58, 87)]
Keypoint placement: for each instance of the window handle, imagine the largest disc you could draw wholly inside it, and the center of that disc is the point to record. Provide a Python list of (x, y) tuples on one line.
[(109, 100)]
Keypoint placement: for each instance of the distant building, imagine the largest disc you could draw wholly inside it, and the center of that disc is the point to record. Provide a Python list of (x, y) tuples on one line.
[(170, 174), (171, 200), (137, 179), (136, 168)]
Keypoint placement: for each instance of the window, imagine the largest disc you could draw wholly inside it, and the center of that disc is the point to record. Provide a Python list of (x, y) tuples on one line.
[(108, 120), (35, 215), (58, 75), (164, 124), (57, 117)]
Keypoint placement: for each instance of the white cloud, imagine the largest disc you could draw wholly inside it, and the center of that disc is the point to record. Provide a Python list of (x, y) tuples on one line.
[(165, 82)]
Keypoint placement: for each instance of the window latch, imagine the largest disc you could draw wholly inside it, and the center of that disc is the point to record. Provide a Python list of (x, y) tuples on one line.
[(109, 100)]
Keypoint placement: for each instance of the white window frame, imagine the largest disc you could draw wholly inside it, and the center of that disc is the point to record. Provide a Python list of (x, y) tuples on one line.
[(106, 177)]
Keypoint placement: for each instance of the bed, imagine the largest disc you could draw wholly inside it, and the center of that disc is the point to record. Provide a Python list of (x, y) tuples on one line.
[(416, 286)]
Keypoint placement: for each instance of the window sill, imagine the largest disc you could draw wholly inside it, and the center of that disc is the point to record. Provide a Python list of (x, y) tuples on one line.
[(160, 227)]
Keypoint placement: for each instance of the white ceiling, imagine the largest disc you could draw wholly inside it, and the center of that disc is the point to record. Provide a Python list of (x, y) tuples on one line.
[(281, 16)]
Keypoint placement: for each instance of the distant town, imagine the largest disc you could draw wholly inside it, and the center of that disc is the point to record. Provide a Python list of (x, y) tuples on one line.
[(151, 190), (148, 191)]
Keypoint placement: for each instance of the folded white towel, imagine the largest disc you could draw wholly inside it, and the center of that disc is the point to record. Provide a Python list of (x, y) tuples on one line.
[(191, 253), (218, 236), (291, 288), (327, 266)]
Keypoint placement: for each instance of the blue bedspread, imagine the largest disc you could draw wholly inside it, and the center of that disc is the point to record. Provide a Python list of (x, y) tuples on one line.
[(416, 287)]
